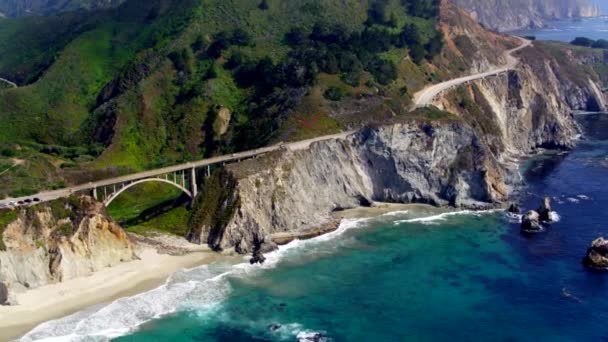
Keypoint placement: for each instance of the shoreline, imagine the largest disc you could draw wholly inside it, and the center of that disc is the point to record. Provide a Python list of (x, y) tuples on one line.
[(61, 299)]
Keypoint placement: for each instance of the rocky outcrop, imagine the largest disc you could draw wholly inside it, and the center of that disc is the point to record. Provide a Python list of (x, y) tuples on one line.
[(530, 222), (597, 254), (544, 211), (530, 107), (3, 294), (508, 15), (64, 239), (438, 163)]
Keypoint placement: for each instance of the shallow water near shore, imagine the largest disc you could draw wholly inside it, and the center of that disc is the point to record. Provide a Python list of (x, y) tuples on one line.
[(395, 277)]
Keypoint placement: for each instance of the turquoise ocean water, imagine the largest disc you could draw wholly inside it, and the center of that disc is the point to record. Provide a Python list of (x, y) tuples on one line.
[(404, 276)]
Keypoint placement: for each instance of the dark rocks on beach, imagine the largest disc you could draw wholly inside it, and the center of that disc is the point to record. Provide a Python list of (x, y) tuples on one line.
[(530, 223), (514, 208), (544, 211), (257, 257), (3, 294), (597, 254)]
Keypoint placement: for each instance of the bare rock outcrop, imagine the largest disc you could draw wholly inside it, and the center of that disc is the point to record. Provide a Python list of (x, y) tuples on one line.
[(544, 211), (289, 191), (597, 254), (530, 222), (63, 239)]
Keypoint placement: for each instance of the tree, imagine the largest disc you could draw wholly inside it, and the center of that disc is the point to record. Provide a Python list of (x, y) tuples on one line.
[(434, 46), (600, 44), (263, 5), (417, 53), (582, 41)]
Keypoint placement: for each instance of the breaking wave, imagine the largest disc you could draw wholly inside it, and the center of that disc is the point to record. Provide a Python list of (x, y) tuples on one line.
[(202, 289)]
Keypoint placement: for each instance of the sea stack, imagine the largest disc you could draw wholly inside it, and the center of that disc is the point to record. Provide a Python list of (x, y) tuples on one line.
[(514, 208), (530, 223), (597, 254), (544, 211)]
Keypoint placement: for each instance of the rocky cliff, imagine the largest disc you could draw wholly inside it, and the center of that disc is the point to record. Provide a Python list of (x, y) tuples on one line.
[(508, 15), (461, 160), (532, 106), (61, 240), (442, 163)]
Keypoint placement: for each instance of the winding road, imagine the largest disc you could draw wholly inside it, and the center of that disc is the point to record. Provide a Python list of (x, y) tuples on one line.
[(12, 84), (421, 99), (426, 96)]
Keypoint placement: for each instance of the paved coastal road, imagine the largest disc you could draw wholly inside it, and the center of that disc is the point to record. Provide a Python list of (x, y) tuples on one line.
[(421, 99), (12, 84), (425, 97), (54, 194)]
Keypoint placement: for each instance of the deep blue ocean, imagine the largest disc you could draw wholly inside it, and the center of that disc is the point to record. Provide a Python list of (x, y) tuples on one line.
[(567, 30), (419, 275)]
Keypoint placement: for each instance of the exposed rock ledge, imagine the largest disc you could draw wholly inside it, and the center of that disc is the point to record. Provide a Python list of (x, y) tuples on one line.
[(65, 239), (441, 163)]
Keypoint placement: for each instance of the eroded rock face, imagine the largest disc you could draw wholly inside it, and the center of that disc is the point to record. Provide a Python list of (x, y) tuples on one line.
[(530, 222), (439, 163), (514, 208), (65, 239), (597, 254), (3, 294), (544, 211)]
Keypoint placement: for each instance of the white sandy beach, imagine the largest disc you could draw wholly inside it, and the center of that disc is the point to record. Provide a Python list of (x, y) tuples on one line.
[(57, 300)]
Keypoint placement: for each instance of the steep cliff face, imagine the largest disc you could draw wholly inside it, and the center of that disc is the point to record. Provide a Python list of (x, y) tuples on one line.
[(62, 240), (442, 163), (532, 106), (507, 15), (463, 160)]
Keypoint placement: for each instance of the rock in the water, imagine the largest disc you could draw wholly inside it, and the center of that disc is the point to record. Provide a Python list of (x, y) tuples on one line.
[(274, 327), (544, 211), (530, 223), (514, 208), (597, 254), (257, 257), (3, 294), (312, 337)]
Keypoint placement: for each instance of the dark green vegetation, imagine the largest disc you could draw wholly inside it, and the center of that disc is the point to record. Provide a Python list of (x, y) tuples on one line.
[(6, 217), (213, 208), (150, 84), (151, 207), (141, 85), (16, 8), (587, 42)]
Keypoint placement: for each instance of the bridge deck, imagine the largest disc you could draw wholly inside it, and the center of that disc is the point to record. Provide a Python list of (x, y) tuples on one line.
[(54, 194)]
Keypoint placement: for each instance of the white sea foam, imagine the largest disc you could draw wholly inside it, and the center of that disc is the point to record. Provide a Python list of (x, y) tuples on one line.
[(201, 289), (436, 219), (395, 213), (583, 197), (554, 216), (572, 200)]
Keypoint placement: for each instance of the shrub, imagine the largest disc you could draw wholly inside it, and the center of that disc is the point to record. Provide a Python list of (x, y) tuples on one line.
[(334, 94), (582, 41)]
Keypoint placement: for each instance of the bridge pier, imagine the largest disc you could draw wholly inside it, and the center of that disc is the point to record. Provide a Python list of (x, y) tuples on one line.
[(95, 193), (193, 182)]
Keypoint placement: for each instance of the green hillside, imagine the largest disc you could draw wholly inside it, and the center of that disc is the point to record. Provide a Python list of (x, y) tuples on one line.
[(142, 86)]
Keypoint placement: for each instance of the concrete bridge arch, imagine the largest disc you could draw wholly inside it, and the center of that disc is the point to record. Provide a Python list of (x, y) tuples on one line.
[(117, 193)]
